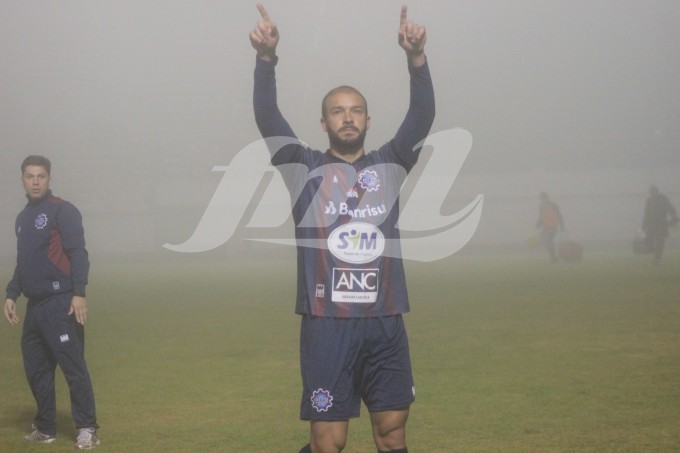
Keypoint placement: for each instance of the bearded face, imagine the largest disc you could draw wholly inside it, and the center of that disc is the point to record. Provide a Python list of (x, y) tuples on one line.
[(346, 121)]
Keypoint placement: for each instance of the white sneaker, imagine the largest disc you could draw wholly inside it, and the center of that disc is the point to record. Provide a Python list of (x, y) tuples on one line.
[(87, 438), (37, 436)]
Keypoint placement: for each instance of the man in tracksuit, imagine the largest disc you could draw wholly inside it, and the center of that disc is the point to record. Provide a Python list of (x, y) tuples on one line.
[(51, 271)]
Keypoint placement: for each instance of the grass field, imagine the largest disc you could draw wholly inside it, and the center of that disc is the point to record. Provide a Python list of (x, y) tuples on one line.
[(510, 354)]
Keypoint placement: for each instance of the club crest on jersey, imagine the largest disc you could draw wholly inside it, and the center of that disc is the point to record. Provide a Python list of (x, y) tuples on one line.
[(41, 221), (369, 181), (322, 400)]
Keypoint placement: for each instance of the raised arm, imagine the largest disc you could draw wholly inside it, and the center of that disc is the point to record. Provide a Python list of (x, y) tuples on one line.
[(421, 110), (269, 119), (412, 39), (265, 36)]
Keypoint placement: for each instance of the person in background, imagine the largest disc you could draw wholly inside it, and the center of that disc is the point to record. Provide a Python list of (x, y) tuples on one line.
[(52, 272), (549, 220), (658, 216)]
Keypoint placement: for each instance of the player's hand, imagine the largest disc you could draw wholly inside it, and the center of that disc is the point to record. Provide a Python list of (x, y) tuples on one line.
[(79, 307), (10, 310), (412, 38), (265, 36)]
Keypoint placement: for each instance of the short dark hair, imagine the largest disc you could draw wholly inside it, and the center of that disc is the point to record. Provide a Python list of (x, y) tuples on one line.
[(38, 161), (341, 89)]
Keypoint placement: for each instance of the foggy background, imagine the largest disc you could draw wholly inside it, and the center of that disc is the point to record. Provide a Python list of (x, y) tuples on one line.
[(135, 102)]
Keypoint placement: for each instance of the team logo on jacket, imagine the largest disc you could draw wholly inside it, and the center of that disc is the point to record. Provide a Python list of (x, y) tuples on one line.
[(322, 400), (369, 181), (41, 221), (356, 242)]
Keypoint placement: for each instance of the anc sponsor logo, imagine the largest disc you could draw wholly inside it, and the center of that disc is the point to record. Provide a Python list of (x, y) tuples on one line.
[(355, 286)]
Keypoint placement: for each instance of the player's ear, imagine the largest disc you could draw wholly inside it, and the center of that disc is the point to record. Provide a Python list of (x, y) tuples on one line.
[(368, 122), (324, 126)]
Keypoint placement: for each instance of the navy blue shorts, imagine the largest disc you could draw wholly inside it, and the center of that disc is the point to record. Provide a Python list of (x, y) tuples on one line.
[(346, 360)]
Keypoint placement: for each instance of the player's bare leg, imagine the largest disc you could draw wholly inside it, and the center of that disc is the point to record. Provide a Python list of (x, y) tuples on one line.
[(328, 437), (389, 429)]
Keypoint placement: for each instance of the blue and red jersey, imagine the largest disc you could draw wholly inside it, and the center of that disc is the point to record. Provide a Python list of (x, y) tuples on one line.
[(349, 257), (51, 254)]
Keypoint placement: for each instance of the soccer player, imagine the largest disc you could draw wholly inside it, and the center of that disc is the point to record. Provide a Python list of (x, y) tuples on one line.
[(658, 216), (549, 220), (351, 283), (51, 271)]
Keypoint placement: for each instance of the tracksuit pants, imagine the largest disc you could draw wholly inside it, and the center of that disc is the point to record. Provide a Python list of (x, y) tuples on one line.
[(52, 337)]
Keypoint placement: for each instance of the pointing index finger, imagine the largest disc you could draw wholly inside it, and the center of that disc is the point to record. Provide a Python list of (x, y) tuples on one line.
[(263, 12), (402, 19)]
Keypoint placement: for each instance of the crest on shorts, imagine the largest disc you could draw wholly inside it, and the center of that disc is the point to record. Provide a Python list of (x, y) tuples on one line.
[(322, 400), (369, 181), (41, 221)]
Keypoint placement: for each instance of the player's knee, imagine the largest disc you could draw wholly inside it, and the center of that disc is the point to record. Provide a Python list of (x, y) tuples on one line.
[(393, 442), (328, 437), (328, 442), (308, 449), (390, 435), (328, 446)]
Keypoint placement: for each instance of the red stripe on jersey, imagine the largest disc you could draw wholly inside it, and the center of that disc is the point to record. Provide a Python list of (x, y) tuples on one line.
[(56, 253)]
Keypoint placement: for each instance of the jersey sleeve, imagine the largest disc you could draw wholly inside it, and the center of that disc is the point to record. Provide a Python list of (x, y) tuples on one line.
[(268, 117), (419, 117), (73, 242), (13, 290)]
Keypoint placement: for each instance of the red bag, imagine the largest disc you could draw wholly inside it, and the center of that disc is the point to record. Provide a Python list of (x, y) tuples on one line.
[(570, 251)]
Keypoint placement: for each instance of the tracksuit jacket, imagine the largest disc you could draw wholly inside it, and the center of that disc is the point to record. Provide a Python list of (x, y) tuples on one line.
[(51, 254)]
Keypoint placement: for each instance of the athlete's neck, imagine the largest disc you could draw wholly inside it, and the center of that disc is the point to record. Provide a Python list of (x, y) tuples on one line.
[(347, 156)]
